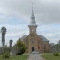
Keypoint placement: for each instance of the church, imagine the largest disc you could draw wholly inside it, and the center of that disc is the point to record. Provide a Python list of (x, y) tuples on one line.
[(33, 41)]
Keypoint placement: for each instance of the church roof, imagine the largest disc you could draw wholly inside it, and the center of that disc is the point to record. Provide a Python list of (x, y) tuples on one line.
[(23, 37), (43, 38)]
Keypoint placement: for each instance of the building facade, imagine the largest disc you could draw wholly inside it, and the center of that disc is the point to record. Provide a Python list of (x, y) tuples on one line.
[(33, 41)]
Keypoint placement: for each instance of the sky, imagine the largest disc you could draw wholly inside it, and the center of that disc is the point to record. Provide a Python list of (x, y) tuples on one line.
[(15, 15)]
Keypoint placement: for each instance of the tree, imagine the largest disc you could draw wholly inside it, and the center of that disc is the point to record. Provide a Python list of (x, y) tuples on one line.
[(6, 49), (3, 32), (55, 47), (10, 44), (52, 47), (20, 47), (59, 42), (58, 46), (10, 48)]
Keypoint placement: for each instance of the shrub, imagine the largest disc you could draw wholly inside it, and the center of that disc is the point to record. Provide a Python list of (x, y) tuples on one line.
[(20, 47), (56, 54), (6, 55)]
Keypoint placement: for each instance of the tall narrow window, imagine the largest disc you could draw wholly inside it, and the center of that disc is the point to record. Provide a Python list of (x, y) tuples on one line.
[(38, 47), (26, 41), (32, 41), (44, 46)]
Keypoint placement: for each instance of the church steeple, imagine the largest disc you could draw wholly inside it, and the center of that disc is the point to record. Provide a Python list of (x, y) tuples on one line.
[(32, 22), (32, 26)]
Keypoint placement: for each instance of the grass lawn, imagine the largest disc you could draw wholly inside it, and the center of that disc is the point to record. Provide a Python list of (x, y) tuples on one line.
[(17, 57), (49, 56)]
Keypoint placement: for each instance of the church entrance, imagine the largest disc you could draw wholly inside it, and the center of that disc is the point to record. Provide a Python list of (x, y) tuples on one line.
[(32, 49)]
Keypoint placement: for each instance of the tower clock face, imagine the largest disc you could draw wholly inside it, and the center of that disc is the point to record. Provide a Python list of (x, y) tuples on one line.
[(32, 30)]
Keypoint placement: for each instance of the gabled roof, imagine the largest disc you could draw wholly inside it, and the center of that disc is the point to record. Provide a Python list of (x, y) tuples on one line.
[(43, 38), (23, 37)]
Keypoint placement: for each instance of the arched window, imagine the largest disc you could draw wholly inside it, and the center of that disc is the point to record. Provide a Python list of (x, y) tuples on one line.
[(32, 40), (44, 46)]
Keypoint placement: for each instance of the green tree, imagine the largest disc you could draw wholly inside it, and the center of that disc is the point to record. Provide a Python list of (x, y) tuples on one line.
[(59, 42), (6, 49), (20, 47), (10, 45), (3, 32)]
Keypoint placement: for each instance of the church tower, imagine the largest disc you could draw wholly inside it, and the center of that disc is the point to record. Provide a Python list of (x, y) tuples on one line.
[(32, 33), (32, 26)]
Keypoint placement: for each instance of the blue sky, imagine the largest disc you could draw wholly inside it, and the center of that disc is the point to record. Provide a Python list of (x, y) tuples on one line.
[(15, 16)]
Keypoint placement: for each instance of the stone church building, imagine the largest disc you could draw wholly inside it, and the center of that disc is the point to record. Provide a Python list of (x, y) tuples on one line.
[(33, 41)]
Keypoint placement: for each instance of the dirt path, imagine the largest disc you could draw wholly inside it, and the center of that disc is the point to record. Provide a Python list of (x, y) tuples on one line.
[(35, 57)]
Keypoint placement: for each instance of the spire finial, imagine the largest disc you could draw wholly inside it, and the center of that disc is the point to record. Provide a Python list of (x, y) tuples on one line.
[(32, 10), (32, 5)]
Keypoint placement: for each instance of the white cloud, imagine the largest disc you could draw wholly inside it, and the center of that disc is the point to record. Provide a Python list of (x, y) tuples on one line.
[(14, 32), (46, 12), (51, 32)]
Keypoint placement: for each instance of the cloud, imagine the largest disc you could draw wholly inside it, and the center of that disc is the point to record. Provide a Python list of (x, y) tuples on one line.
[(14, 15), (46, 11), (50, 31), (14, 32)]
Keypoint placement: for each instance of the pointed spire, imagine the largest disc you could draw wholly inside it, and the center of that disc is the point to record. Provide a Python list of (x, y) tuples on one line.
[(32, 17), (32, 10)]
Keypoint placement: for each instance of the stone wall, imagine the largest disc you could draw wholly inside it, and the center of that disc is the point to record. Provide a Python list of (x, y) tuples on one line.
[(37, 43)]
